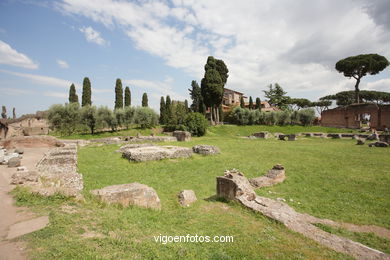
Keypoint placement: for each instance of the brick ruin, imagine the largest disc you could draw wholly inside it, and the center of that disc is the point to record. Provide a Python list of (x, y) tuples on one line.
[(350, 116), (27, 125)]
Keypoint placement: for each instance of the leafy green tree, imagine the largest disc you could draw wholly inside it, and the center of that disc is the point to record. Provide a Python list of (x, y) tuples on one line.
[(4, 112), (196, 123), (168, 109), (258, 103), (242, 102), (86, 96), (64, 118), (127, 97), (73, 98), (250, 103), (129, 116), (196, 96), (145, 100), (361, 65), (120, 117), (145, 117), (107, 118), (277, 96), (345, 98), (212, 85), (118, 94), (162, 111), (89, 117), (300, 103), (179, 113)]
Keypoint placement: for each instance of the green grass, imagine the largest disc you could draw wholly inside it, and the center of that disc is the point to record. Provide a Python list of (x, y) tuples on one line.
[(369, 239), (327, 178)]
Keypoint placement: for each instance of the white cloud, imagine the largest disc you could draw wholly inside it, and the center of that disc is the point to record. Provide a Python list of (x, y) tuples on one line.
[(10, 56), (380, 85), (63, 64), (92, 35), (15, 91), (55, 94), (44, 80), (294, 43)]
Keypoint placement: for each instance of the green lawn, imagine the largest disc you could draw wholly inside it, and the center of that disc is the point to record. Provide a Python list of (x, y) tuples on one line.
[(327, 178)]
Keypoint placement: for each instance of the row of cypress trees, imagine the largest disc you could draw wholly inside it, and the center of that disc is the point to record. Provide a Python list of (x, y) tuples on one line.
[(87, 93)]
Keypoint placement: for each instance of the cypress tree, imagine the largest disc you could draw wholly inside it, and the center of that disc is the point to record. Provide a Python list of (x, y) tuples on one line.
[(168, 109), (127, 97), (186, 105), (13, 113), (4, 112), (118, 94), (250, 102), (162, 111), (73, 98), (145, 100), (258, 103), (86, 96), (242, 103)]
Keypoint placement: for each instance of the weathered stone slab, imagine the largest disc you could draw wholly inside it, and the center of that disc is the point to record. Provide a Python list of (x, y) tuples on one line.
[(24, 177), (360, 141), (206, 149), (379, 144), (14, 162), (152, 153), (264, 135), (234, 184), (274, 176), (186, 197), (292, 137), (334, 136), (136, 139), (131, 146), (348, 135), (26, 227), (129, 194), (182, 136)]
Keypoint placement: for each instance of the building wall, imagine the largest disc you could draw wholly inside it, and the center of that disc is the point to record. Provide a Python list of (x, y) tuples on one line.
[(25, 127), (348, 117)]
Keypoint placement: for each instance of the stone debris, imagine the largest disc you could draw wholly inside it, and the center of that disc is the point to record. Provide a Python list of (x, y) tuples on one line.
[(234, 186), (264, 135), (206, 149), (373, 137), (379, 144), (19, 150), (152, 153), (14, 162), (274, 176), (360, 141), (131, 146), (290, 137), (182, 136), (186, 197), (129, 194), (348, 135), (384, 138), (56, 173), (8, 156)]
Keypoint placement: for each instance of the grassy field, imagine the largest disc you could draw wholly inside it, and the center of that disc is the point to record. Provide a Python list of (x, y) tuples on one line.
[(327, 178)]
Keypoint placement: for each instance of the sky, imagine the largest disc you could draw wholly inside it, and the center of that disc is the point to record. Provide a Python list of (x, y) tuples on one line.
[(159, 47)]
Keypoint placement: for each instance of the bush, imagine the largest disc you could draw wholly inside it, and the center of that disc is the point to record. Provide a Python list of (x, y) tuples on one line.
[(107, 118), (241, 115), (196, 124), (120, 116), (129, 116), (89, 117), (145, 117), (284, 118), (307, 116)]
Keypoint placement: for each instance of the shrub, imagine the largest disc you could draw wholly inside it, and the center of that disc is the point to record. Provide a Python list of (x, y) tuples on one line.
[(307, 116), (196, 124), (120, 116), (145, 117), (284, 118), (241, 116), (129, 116), (295, 118)]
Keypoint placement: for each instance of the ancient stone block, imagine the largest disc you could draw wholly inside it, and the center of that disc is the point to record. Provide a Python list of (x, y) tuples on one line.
[(360, 141), (379, 144), (234, 184), (152, 153), (292, 137), (131, 146), (19, 150), (274, 176), (334, 136), (129, 194), (14, 162), (186, 197), (205, 149), (264, 135), (182, 136)]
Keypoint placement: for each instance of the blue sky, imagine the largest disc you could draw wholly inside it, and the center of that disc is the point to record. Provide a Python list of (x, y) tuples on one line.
[(158, 47)]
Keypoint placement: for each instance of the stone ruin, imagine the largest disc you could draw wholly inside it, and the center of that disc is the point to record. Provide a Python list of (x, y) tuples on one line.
[(379, 144), (131, 146), (290, 137), (56, 173), (235, 186), (129, 194), (206, 149), (263, 135), (151, 138), (11, 157), (186, 197), (182, 136), (152, 153), (274, 176)]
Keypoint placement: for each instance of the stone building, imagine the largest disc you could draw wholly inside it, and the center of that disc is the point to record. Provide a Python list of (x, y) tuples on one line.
[(33, 124), (378, 116)]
